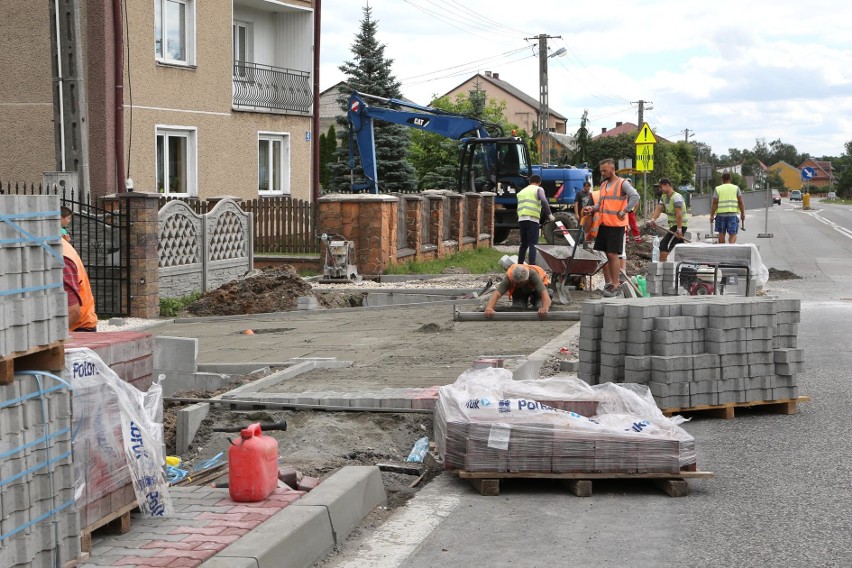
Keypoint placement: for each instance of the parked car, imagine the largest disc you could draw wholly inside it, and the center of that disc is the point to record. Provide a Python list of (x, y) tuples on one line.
[(795, 195), (776, 197)]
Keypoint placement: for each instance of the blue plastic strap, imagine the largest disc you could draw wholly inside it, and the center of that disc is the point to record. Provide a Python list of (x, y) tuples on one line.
[(50, 513), (14, 451), (32, 238), (31, 289), (34, 468)]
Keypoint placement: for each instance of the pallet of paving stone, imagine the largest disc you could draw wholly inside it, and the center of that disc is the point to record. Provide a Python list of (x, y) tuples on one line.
[(580, 483), (728, 410), (49, 357), (117, 521)]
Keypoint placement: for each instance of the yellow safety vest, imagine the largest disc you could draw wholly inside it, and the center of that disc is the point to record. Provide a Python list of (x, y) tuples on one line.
[(529, 204), (728, 202), (671, 212)]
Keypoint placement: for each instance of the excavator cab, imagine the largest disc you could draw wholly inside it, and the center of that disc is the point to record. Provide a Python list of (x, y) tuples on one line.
[(501, 165)]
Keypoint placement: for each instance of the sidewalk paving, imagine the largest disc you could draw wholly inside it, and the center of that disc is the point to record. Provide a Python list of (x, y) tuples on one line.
[(206, 521)]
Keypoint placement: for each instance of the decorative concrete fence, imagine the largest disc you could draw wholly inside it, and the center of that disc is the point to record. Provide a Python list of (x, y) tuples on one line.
[(388, 229), (202, 252)]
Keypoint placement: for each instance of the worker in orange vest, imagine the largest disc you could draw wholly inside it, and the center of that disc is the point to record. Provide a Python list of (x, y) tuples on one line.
[(617, 200), (526, 285), (81, 302)]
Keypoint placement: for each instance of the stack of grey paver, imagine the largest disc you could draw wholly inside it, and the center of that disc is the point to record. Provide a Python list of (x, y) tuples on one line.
[(694, 350), (39, 524), (33, 304), (660, 279)]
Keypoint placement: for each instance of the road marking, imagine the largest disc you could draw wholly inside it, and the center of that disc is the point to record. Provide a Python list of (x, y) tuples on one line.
[(408, 527), (842, 230)]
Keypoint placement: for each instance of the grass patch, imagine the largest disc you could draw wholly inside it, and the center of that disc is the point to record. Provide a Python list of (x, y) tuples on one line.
[(483, 260), (171, 307)]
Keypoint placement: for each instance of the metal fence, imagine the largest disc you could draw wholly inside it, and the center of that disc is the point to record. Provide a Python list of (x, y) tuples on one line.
[(100, 232), (268, 87)]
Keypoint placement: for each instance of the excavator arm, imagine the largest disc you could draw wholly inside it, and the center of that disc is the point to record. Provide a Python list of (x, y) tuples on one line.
[(361, 117)]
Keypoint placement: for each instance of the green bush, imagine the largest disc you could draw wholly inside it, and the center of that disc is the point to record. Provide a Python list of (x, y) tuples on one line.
[(482, 260), (171, 307)]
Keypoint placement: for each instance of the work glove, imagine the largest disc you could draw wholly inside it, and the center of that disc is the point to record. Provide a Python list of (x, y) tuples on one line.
[(551, 217)]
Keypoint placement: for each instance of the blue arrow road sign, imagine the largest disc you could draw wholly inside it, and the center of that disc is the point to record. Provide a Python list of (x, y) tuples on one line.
[(808, 173)]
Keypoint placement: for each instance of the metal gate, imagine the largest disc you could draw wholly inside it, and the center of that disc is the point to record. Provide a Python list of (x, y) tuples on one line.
[(100, 231)]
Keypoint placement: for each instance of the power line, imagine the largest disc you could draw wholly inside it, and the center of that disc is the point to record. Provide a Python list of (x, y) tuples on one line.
[(468, 64), (461, 72), (459, 19), (513, 31)]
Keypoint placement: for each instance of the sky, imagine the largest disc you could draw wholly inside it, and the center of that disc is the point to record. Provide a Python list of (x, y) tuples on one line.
[(731, 72)]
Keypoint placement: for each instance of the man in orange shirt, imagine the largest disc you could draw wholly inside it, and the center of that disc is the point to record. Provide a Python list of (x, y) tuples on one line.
[(81, 302)]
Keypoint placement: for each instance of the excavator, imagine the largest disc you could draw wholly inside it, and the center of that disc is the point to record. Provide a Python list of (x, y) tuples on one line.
[(487, 162)]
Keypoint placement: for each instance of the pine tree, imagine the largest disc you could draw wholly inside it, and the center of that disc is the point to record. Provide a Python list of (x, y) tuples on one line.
[(370, 72), (328, 150)]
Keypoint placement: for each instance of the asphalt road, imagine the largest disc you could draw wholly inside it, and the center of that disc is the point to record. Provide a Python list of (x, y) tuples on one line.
[(782, 495)]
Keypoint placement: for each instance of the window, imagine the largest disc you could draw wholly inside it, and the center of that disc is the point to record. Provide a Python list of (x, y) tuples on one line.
[(174, 31), (176, 161), (242, 48), (273, 164)]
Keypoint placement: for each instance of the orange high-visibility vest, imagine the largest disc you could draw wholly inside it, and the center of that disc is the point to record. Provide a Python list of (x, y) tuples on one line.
[(613, 200), (593, 221), (88, 317), (544, 278)]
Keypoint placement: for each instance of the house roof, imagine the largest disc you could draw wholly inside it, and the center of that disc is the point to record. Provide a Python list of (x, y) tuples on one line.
[(822, 167), (509, 89), (567, 140), (625, 128)]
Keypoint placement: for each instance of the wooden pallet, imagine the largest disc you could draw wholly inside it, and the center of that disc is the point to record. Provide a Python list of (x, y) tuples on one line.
[(727, 410), (580, 483), (42, 358), (118, 521)]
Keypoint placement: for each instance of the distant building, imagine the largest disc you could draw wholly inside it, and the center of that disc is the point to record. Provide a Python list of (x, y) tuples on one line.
[(625, 128), (791, 175), (824, 176)]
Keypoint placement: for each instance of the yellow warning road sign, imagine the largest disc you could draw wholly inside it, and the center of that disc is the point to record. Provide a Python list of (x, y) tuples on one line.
[(645, 135), (644, 157)]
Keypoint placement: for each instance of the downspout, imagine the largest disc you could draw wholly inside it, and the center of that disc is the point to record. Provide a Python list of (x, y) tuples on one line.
[(59, 85), (315, 152), (118, 77)]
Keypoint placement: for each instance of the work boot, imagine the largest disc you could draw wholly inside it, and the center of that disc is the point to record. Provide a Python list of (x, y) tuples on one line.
[(609, 291)]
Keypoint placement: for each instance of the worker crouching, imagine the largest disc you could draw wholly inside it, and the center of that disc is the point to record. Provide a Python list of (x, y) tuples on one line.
[(527, 287)]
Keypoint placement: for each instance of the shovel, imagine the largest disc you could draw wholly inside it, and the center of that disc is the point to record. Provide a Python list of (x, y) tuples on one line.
[(471, 295)]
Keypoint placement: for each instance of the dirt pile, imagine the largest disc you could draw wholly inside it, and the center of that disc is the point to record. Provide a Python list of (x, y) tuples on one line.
[(272, 289)]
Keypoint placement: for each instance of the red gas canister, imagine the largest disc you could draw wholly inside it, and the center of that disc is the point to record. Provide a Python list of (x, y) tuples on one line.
[(253, 465)]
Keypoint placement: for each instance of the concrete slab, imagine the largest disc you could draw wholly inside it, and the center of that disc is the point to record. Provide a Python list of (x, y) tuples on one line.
[(348, 495), (237, 368), (175, 354)]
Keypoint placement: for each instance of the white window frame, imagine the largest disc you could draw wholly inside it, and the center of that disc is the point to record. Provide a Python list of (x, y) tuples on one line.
[(189, 39), (286, 152), (248, 56), (190, 133)]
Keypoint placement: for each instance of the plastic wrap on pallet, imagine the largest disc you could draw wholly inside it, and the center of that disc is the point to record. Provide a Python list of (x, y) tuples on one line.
[(119, 442), (486, 421)]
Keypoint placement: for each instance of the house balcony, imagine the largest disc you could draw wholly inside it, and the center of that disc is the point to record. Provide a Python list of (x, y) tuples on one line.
[(261, 87)]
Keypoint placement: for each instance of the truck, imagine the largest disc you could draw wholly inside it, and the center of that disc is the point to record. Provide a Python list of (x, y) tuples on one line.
[(488, 160)]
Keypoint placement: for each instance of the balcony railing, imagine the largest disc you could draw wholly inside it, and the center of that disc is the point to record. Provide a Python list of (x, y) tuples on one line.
[(261, 86)]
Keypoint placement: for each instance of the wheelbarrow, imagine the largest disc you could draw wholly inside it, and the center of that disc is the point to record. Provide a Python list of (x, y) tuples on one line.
[(566, 261)]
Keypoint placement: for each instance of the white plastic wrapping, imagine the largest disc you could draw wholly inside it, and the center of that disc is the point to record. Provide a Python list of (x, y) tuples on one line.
[(119, 440), (713, 253), (486, 421)]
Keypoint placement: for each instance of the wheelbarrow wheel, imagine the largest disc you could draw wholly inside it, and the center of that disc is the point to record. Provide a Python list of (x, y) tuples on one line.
[(552, 236)]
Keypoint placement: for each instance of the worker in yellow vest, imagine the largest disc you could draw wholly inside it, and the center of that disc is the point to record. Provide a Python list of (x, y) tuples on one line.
[(526, 285), (727, 201), (81, 302), (531, 201)]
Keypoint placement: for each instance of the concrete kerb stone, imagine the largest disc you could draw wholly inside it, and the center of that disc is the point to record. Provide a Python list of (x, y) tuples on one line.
[(529, 369), (189, 419), (348, 495), (295, 537)]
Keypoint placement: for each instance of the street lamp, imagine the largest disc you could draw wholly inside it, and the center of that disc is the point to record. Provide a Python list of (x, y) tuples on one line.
[(543, 102)]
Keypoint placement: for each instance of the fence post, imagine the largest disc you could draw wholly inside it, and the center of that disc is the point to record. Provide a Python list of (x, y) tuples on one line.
[(414, 224), (473, 207), (488, 216), (141, 249), (367, 220)]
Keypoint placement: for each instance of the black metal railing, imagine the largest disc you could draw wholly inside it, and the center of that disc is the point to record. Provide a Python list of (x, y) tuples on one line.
[(100, 231), (261, 86)]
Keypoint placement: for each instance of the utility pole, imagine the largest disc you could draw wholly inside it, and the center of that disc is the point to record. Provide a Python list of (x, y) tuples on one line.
[(642, 109), (543, 99), (687, 134), (69, 93)]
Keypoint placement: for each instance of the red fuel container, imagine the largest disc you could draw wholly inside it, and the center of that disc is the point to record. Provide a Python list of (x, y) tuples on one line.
[(253, 465)]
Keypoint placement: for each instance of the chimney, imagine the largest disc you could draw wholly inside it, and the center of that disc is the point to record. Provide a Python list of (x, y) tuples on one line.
[(603, 130), (488, 73), (496, 75), (617, 124)]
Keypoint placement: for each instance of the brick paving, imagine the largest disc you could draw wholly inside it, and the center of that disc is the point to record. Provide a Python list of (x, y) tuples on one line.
[(206, 520)]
